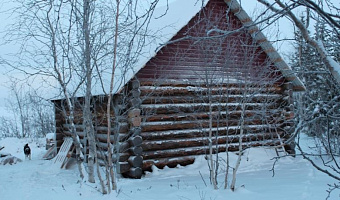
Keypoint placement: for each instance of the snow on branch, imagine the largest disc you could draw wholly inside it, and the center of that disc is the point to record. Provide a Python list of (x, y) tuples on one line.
[(329, 62)]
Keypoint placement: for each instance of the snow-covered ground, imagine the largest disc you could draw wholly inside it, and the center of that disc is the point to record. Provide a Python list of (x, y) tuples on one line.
[(37, 179)]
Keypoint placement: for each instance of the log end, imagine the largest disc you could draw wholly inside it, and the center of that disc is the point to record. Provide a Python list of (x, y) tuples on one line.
[(134, 172)]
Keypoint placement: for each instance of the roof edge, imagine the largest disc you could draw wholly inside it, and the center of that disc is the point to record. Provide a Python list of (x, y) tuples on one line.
[(267, 47)]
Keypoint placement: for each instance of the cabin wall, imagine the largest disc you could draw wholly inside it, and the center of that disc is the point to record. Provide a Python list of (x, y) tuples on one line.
[(176, 117), (195, 79), (125, 121), (171, 124), (190, 56), (190, 88), (99, 121)]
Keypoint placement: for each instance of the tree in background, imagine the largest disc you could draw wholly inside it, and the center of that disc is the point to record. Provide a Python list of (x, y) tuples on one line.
[(28, 114), (324, 10), (71, 45), (318, 109), (317, 62), (321, 87)]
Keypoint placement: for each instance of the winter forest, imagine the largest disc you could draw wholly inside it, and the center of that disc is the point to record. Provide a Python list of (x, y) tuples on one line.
[(229, 116)]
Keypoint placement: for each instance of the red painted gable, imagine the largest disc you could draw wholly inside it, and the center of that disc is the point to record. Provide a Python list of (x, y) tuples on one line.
[(192, 56)]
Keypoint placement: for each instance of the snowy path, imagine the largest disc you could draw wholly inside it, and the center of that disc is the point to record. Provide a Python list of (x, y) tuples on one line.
[(41, 179)]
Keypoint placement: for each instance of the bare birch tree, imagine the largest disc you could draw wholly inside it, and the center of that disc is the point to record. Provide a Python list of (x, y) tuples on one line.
[(108, 112), (129, 37), (75, 44), (28, 114), (48, 52), (88, 122), (235, 86), (330, 18), (324, 62)]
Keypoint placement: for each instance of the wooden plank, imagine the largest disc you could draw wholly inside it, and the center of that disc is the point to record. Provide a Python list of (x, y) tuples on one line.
[(183, 91), (203, 107), (134, 172), (196, 124), (222, 115), (68, 156), (63, 151), (221, 98), (49, 154), (181, 83)]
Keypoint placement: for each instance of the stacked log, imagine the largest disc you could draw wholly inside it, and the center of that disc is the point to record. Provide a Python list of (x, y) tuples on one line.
[(132, 167), (289, 125), (167, 124), (175, 123)]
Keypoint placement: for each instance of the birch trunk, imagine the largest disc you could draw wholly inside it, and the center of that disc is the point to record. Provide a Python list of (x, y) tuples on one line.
[(211, 160), (227, 163), (238, 162), (226, 178), (108, 111), (75, 137), (102, 184), (87, 107)]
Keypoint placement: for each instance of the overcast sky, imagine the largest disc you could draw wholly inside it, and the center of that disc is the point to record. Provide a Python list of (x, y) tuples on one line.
[(5, 19)]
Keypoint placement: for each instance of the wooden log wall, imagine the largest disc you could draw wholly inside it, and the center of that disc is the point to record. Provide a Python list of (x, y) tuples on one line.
[(289, 126), (168, 124), (175, 120), (119, 124), (133, 166)]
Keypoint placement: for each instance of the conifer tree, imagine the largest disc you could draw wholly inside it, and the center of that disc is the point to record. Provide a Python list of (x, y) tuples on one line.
[(318, 107)]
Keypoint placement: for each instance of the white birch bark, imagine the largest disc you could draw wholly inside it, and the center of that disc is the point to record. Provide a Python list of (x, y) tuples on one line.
[(240, 149), (109, 102)]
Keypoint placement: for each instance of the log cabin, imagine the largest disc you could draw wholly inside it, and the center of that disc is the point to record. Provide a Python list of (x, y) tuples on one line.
[(216, 78)]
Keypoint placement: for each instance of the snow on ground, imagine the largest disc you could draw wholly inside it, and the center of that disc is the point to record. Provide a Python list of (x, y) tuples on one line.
[(41, 179)]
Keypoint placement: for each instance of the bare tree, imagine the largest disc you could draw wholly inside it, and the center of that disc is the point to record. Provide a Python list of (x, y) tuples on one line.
[(87, 50), (238, 89), (45, 33), (22, 106), (73, 46), (322, 73), (28, 114), (108, 112), (330, 18), (130, 30)]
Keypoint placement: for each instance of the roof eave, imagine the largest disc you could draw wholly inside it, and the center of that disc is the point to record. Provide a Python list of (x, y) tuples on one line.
[(267, 47)]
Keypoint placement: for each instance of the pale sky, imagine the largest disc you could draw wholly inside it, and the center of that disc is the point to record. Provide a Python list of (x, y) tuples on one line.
[(4, 17)]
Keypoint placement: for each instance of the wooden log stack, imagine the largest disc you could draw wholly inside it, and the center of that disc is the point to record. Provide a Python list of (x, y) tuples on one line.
[(168, 124), (132, 167), (174, 132)]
